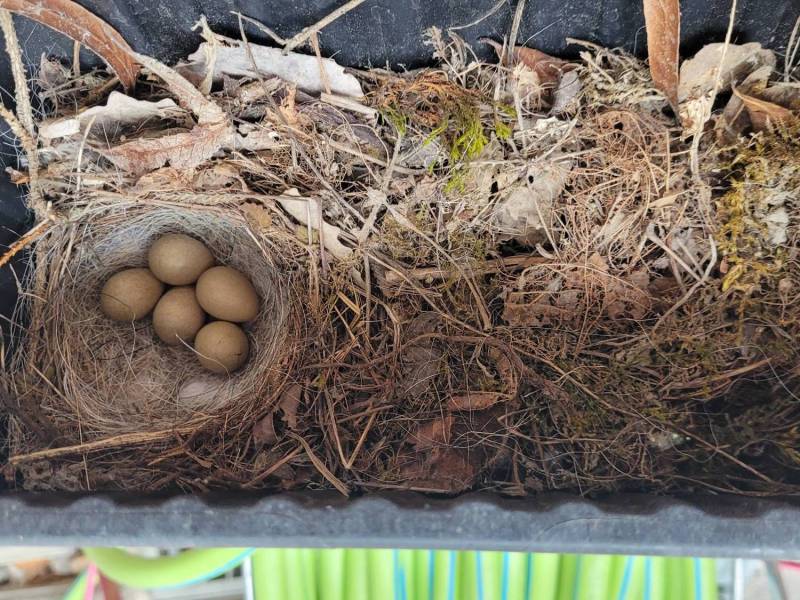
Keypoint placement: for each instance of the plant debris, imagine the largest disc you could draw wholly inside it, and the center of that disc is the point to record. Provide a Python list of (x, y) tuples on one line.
[(501, 277)]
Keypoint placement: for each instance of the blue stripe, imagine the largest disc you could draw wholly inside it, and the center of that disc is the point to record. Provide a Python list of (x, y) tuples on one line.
[(648, 577), (576, 589), (698, 580), (626, 578), (528, 576), (479, 573), (504, 580), (231, 564), (431, 573), (451, 577), (396, 572)]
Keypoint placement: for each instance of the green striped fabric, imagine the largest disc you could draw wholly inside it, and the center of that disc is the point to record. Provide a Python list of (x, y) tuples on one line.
[(355, 574)]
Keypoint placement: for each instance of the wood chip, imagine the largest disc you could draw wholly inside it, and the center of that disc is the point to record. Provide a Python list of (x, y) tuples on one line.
[(663, 22), (82, 26)]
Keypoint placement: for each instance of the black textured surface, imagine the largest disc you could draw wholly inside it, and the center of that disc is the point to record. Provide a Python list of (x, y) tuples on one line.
[(548, 523), (377, 33)]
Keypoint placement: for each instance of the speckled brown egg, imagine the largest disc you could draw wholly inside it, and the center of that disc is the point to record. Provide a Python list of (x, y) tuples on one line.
[(178, 317), (226, 294), (221, 347), (178, 259), (130, 294)]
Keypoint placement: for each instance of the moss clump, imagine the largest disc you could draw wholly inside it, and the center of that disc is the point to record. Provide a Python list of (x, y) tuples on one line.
[(765, 177)]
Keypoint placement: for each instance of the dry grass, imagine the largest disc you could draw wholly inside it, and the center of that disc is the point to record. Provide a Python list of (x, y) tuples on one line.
[(591, 345)]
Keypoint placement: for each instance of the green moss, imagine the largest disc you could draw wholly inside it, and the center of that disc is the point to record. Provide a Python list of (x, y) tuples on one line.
[(766, 167)]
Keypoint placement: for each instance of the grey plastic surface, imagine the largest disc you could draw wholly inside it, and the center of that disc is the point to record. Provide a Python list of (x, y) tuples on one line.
[(548, 523)]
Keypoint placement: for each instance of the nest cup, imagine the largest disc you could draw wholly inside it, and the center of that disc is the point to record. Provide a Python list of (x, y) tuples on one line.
[(112, 377)]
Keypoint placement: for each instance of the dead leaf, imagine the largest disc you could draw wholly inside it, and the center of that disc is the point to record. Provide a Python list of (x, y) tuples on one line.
[(180, 150), (699, 73), (82, 26), (289, 404), (118, 112), (474, 400), (734, 118), (547, 68), (443, 469), (306, 210), (219, 176), (565, 96), (764, 115), (432, 433), (663, 22), (232, 59), (166, 178), (420, 366), (264, 431), (524, 212), (783, 94), (258, 216)]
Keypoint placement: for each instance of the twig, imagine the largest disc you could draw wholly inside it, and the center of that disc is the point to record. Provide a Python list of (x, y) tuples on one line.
[(24, 128), (40, 230), (261, 26), (348, 104), (24, 111), (498, 5), (125, 439), (512, 39), (76, 59), (489, 266), (702, 281), (694, 160), (791, 51), (695, 383), (272, 468), (320, 466), (307, 32)]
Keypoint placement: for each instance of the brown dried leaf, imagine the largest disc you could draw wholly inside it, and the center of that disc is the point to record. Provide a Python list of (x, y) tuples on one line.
[(663, 21), (433, 433), (181, 150), (734, 118), (474, 400), (264, 431), (764, 115), (420, 366), (290, 403), (699, 73), (547, 68), (444, 469), (82, 26)]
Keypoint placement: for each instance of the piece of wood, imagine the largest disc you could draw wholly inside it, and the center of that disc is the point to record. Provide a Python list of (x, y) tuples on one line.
[(489, 266), (82, 26), (663, 22)]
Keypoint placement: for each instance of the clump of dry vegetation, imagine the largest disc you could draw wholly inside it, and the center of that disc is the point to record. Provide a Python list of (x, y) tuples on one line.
[(520, 276)]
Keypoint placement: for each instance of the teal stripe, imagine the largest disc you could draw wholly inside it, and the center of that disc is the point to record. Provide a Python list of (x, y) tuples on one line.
[(451, 577), (698, 579), (528, 576), (479, 573), (431, 573), (504, 579), (648, 577), (231, 564), (626, 578)]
